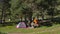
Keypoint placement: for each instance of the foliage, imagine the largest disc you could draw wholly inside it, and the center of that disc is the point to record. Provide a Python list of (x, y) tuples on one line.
[(15, 9)]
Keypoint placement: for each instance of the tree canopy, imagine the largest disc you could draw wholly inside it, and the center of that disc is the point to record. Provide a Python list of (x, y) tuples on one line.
[(33, 8)]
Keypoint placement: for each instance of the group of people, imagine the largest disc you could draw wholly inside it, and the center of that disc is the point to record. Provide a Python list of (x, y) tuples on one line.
[(33, 24), (28, 24)]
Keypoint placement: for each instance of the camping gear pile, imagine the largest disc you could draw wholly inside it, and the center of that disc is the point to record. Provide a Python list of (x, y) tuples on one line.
[(24, 25)]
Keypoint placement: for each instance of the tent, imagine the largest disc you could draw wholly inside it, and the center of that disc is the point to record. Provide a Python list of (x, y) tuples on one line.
[(21, 25)]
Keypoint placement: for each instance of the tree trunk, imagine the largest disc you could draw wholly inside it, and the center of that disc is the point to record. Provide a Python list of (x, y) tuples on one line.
[(42, 14)]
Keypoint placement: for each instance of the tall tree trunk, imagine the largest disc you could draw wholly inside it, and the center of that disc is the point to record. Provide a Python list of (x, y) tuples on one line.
[(26, 20), (42, 13), (3, 12), (30, 18)]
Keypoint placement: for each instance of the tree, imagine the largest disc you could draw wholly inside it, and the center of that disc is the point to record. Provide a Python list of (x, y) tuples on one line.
[(49, 5), (5, 6)]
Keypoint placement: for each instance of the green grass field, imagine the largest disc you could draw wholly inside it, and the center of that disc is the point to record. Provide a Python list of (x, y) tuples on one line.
[(55, 29)]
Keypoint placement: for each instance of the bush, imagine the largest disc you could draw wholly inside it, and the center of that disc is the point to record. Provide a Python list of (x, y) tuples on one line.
[(2, 33)]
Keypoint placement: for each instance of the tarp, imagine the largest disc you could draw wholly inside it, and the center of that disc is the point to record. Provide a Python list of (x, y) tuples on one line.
[(21, 25)]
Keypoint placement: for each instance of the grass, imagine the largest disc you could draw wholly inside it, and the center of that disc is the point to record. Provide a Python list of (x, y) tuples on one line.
[(55, 29)]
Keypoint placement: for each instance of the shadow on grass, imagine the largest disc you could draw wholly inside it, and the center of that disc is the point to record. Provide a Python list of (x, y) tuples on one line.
[(56, 20), (8, 24), (50, 23), (2, 33)]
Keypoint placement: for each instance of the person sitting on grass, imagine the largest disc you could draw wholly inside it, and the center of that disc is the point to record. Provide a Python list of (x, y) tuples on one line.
[(35, 22)]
